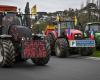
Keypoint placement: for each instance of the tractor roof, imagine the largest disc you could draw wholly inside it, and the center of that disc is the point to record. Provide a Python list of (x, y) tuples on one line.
[(65, 21), (7, 8), (90, 23)]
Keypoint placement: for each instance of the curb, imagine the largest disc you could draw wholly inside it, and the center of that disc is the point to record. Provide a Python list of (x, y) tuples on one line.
[(93, 58)]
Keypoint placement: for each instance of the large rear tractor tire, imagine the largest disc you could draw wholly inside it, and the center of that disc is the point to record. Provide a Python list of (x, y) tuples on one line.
[(7, 53), (45, 60), (51, 41), (61, 48), (87, 51)]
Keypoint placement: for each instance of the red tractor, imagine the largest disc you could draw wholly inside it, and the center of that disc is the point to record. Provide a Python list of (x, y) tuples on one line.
[(17, 42), (65, 40)]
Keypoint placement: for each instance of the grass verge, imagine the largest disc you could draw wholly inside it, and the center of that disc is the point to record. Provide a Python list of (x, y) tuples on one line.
[(96, 54)]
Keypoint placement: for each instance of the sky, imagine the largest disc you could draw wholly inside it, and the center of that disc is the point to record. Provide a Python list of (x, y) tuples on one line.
[(46, 5)]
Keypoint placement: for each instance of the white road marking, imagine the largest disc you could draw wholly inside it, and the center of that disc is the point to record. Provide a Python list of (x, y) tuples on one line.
[(86, 57), (93, 58)]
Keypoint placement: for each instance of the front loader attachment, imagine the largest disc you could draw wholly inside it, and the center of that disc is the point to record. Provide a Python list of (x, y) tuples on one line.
[(35, 48)]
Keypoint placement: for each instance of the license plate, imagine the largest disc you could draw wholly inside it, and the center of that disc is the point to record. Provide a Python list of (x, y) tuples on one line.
[(82, 43)]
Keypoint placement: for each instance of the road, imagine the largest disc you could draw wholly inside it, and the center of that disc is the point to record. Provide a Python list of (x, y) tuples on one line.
[(73, 68)]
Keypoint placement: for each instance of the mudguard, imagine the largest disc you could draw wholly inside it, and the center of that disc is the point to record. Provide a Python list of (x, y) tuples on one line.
[(17, 32), (53, 32)]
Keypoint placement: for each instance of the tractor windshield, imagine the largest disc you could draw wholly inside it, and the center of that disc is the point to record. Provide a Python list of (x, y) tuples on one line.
[(11, 19), (95, 27), (67, 24)]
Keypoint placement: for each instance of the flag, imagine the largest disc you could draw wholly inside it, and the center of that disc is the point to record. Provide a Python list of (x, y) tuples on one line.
[(34, 10), (57, 18), (68, 30), (75, 19)]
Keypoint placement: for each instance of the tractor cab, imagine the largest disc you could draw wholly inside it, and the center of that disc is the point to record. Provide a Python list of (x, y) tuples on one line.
[(62, 26), (65, 24), (12, 24), (9, 16), (95, 28), (6, 15)]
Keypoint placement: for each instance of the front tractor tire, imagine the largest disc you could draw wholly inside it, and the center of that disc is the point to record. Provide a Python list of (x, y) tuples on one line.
[(41, 61), (87, 51), (61, 48), (51, 41), (7, 53)]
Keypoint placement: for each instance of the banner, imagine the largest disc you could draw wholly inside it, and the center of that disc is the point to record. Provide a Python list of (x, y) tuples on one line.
[(75, 19), (34, 10)]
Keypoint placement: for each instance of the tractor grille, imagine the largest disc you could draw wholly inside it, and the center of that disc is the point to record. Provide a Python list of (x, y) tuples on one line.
[(77, 36)]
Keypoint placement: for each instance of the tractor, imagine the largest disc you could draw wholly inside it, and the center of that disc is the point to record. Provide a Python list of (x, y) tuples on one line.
[(95, 27), (65, 40), (17, 42)]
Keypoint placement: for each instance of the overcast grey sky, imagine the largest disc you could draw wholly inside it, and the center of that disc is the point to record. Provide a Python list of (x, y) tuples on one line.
[(46, 5)]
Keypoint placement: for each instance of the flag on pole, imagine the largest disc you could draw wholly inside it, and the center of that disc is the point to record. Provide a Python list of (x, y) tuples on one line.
[(57, 18), (34, 10), (75, 19), (68, 30)]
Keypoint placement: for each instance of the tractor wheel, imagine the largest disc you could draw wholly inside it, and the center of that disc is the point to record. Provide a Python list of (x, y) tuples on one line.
[(87, 51), (43, 61), (51, 41), (7, 53), (61, 48)]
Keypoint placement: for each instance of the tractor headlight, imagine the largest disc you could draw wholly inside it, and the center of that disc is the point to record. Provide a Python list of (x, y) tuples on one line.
[(27, 38), (23, 38), (77, 36)]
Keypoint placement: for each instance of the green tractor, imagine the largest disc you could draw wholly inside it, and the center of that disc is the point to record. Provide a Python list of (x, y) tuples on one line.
[(95, 27)]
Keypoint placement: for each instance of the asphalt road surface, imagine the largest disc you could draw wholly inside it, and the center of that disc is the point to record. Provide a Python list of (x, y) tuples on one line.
[(73, 68)]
